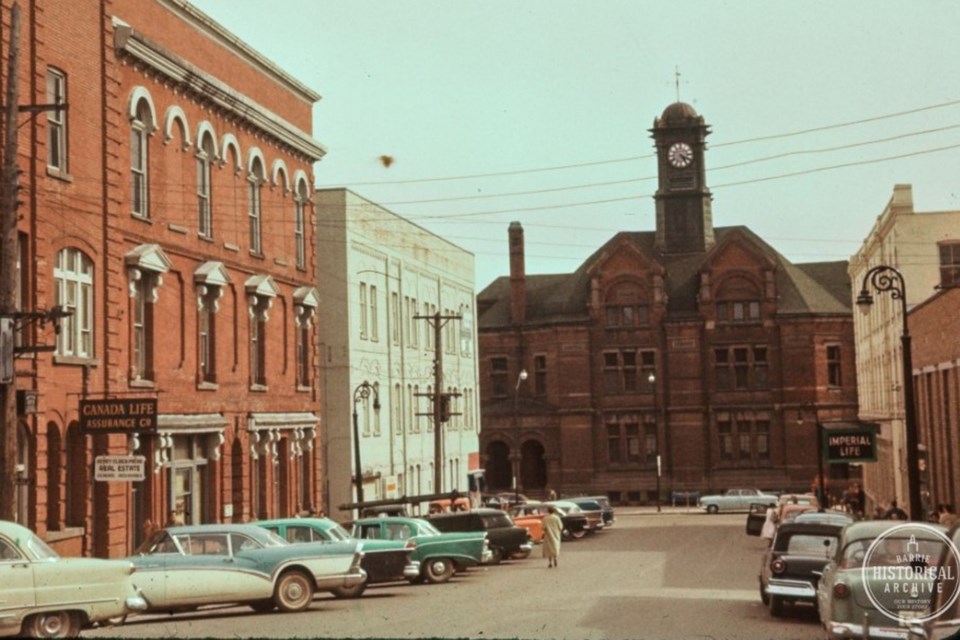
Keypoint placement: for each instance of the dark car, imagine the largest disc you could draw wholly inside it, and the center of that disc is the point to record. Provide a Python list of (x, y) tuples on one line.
[(792, 564), (506, 539), (589, 503)]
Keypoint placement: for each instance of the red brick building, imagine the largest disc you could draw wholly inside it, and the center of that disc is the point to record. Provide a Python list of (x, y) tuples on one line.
[(702, 346), (168, 209), (935, 336)]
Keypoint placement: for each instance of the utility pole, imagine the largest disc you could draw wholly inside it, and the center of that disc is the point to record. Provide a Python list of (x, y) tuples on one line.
[(9, 184), (441, 401)]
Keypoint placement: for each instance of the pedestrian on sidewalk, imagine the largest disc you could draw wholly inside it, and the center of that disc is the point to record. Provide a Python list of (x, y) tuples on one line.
[(769, 525), (552, 535)]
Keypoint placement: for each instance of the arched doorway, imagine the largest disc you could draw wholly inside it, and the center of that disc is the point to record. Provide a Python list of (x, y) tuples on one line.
[(533, 468), (499, 473)]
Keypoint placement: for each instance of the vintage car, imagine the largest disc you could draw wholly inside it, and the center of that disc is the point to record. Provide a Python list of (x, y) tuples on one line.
[(878, 580), (791, 566), (383, 560), (944, 614), (446, 505), (506, 539), (594, 516), (45, 596), (592, 503), (182, 568), (735, 500), (829, 516), (438, 554), (530, 517)]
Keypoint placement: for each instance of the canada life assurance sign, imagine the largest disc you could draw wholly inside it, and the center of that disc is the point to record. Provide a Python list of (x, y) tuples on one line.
[(127, 415)]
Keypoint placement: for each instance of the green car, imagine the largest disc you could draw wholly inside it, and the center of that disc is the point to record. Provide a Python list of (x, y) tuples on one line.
[(182, 568), (439, 554), (383, 560)]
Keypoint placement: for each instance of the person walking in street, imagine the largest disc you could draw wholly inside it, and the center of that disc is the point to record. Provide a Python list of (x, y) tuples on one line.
[(769, 525), (552, 535)]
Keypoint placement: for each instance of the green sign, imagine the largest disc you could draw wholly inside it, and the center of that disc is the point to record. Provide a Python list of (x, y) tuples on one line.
[(850, 445)]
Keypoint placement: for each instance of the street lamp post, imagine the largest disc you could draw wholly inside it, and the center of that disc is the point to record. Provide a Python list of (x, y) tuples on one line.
[(652, 379), (516, 437), (885, 278), (821, 490), (362, 392)]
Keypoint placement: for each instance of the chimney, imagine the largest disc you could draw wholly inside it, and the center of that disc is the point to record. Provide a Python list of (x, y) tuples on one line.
[(518, 276)]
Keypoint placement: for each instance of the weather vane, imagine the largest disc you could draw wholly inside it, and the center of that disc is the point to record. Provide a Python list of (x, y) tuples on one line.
[(677, 74)]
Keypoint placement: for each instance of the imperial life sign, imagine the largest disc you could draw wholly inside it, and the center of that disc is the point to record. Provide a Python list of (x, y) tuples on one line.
[(850, 445), (127, 415)]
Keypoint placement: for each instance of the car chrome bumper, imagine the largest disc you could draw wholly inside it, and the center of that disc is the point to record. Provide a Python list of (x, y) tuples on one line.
[(351, 579), (526, 546), (412, 570), (850, 630), (136, 603), (486, 557), (792, 589)]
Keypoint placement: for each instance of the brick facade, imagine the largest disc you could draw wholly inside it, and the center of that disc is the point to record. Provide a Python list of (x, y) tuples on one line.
[(237, 424), (746, 352)]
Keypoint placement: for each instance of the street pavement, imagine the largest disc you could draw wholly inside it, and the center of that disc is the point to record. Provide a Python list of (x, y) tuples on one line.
[(673, 574)]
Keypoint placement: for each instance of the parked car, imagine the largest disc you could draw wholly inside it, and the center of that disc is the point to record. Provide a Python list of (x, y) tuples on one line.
[(829, 516), (446, 505), (506, 539), (439, 554), (385, 510), (944, 622), (791, 566), (383, 560), (589, 503), (182, 568), (865, 587), (735, 500), (531, 514), (503, 500), (594, 516), (43, 595)]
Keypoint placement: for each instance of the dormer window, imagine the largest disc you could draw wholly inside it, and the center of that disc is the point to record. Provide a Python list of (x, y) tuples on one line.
[(626, 307), (738, 300)]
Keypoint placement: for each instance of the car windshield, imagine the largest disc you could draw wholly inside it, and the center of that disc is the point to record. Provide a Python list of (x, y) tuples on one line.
[(39, 549), (336, 532), (804, 544)]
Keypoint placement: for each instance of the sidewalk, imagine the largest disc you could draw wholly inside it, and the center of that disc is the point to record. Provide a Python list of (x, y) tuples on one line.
[(651, 510)]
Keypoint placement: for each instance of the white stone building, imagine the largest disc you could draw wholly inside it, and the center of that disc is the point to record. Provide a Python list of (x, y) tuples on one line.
[(910, 242), (379, 276)]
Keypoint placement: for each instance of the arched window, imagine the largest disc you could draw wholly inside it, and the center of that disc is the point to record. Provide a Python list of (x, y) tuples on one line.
[(301, 200), (255, 179), (141, 126), (205, 156), (73, 275)]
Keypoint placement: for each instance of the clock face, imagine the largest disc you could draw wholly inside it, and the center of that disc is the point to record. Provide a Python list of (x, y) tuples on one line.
[(680, 155)]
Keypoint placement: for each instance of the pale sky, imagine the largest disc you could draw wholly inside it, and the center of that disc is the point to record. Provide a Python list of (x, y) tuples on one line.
[(556, 97)]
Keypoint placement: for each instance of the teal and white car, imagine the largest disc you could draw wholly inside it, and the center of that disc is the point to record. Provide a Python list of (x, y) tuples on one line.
[(383, 560), (182, 568), (440, 554), (45, 596)]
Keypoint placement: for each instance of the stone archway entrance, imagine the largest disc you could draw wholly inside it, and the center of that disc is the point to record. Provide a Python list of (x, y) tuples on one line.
[(533, 467), (498, 470)]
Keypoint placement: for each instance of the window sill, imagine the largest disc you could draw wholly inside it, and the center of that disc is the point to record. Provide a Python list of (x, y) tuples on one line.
[(257, 254), (259, 388), (59, 174), (142, 384), (304, 389), (76, 361), (207, 386), (141, 218), (205, 238), (64, 534)]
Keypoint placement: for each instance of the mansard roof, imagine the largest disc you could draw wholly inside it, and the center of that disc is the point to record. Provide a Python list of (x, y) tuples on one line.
[(803, 289)]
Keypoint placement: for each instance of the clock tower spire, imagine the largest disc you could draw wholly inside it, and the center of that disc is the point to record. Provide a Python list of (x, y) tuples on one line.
[(684, 217)]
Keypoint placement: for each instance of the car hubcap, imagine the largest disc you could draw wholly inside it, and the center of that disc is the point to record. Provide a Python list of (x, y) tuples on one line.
[(294, 591), (438, 567), (52, 625)]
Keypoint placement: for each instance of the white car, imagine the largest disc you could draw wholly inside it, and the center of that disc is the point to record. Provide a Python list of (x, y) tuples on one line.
[(736, 500), (45, 596)]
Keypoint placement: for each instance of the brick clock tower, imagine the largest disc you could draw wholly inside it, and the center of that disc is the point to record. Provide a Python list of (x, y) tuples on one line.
[(684, 218)]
